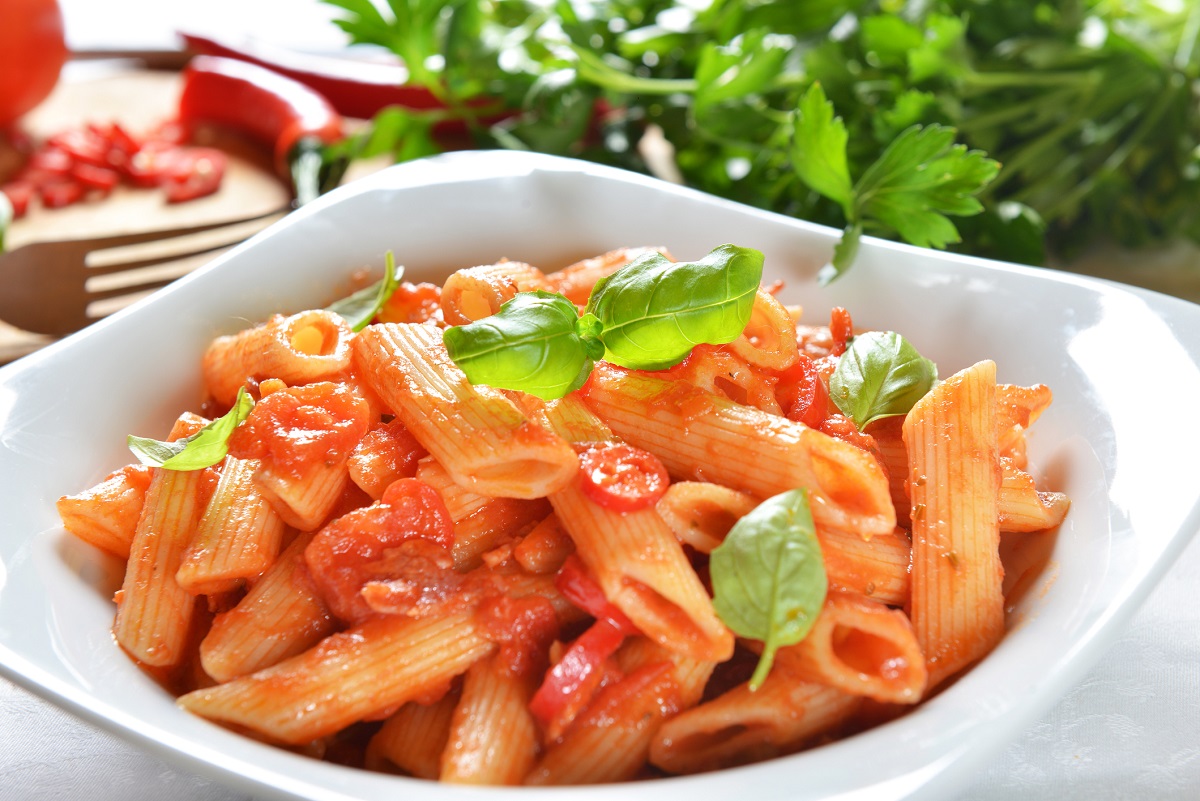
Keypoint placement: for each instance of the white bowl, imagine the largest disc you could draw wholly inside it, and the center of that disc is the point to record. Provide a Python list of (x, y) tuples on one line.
[(1122, 363)]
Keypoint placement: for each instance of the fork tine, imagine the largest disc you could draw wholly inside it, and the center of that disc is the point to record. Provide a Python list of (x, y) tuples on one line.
[(130, 289), (125, 266), (121, 240)]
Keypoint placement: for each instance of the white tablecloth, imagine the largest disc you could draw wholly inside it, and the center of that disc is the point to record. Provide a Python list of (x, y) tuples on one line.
[(1130, 730)]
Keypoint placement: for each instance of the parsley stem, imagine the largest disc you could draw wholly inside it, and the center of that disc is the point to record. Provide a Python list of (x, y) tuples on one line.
[(986, 81)]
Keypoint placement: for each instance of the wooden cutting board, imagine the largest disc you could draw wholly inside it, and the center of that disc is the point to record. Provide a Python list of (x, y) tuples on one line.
[(139, 100)]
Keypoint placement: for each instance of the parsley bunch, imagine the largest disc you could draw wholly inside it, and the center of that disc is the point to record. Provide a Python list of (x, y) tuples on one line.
[(870, 116)]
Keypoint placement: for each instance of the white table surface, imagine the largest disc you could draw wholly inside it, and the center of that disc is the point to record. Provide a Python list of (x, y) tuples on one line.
[(1130, 730)]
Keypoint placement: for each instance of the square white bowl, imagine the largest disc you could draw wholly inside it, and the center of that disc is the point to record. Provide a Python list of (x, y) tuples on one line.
[(1123, 364)]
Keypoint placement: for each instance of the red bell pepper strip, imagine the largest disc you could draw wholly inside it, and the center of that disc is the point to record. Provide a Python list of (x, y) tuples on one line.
[(570, 684), (582, 590), (294, 120)]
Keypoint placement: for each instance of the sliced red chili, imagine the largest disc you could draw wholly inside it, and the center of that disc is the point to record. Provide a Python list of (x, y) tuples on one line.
[(102, 178), (193, 172), (621, 477), (19, 195), (57, 194)]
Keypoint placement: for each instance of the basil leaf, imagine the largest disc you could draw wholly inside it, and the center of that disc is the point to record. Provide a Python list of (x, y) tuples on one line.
[(768, 576), (361, 307), (653, 311), (203, 449), (536, 343), (880, 375)]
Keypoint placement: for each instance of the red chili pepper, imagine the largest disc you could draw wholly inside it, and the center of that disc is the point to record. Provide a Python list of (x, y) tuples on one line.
[(574, 679), (622, 477), (578, 587), (193, 172), (92, 177), (294, 120), (355, 88), (19, 194), (60, 193)]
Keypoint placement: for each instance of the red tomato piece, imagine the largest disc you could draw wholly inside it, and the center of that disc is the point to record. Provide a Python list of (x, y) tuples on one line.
[(841, 327), (295, 427), (56, 194), (195, 172), (811, 403), (578, 587), (574, 679), (340, 556), (621, 477)]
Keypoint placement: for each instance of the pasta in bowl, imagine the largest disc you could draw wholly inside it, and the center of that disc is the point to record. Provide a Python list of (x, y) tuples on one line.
[(643, 665)]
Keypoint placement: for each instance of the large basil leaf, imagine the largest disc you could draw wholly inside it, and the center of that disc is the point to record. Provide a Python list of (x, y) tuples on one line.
[(653, 311), (536, 343), (203, 449), (880, 375), (768, 576)]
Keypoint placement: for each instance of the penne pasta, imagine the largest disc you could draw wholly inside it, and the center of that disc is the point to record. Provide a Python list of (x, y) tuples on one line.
[(954, 468), (477, 434), (743, 448)]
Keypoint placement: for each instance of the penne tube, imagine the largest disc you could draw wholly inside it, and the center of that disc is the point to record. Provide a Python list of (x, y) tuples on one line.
[(722, 372), (106, 515), (741, 726), (954, 479), (634, 557), (476, 292), (493, 738), (279, 617), (347, 677), (544, 549), (238, 537), (300, 349), (576, 281), (743, 448), (485, 443), (1022, 507), (700, 514), (769, 340), (154, 613), (414, 738), (480, 522), (860, 647)]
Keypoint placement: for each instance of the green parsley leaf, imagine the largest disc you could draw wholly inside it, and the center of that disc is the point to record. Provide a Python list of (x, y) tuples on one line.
[(206, 447), (536, 343), (879, 375), (920, 178), (768, 576), (361, 307), (819, 149)]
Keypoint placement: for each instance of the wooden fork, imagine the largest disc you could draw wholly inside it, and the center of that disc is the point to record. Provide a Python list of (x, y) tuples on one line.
[(59, 287)]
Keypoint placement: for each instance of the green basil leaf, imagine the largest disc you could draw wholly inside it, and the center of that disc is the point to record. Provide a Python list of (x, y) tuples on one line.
[(536, 343), (653, 311), (768, 576), (203, 449), (880, 375), (361, 307)]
